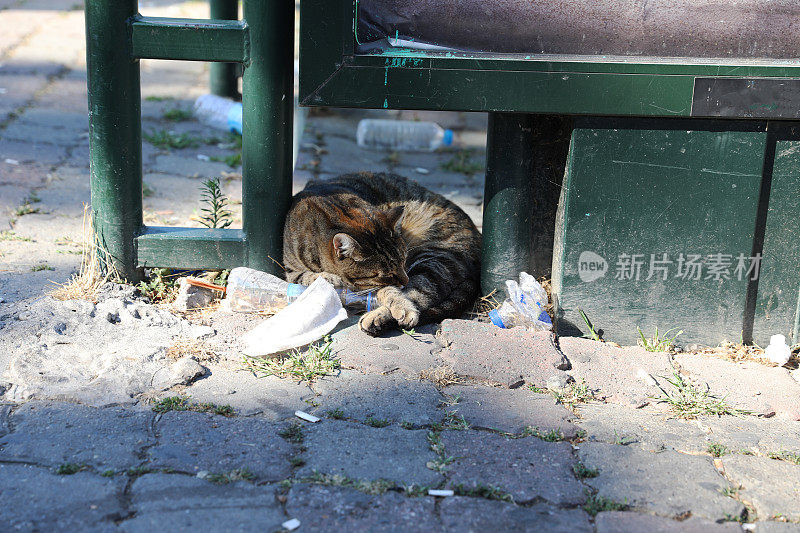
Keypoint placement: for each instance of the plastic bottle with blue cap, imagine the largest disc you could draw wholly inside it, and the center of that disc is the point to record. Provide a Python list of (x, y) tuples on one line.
[(525, 306), (253, 291), (402, 135)]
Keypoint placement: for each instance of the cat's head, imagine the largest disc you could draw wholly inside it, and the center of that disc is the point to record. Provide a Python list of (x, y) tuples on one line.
[(370, 252)]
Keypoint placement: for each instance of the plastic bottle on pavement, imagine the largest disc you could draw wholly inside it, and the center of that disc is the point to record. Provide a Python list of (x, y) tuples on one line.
[(218, 112), (403, 135), (253, 291), (525, 306)]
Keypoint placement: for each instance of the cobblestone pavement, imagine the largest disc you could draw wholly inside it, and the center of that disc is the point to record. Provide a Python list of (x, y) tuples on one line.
[(530, 433)]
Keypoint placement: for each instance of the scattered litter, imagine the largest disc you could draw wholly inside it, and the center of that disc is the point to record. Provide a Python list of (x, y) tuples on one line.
[(440, 492), (203, 474), (422, 170), (778, 351), (291, 525), (307, 417), (204, 284), (313, 315), (749, 527), (12, 161), (525, 306), (219, 112), (405, 135), (203, 157)]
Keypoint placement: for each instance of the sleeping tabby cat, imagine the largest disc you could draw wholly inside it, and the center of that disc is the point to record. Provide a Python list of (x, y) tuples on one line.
[(383, 231)]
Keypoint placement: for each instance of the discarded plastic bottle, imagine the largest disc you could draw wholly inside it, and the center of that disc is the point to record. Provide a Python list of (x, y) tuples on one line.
[(524, 306), (403, 135), (253, 291), (218, 112)]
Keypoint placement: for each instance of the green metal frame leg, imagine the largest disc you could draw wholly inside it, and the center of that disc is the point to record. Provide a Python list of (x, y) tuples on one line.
[(224, 76), (508, 199), (115, 131), (268, 100)]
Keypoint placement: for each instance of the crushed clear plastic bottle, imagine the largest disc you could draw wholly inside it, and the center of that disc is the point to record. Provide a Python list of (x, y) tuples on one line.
[(254, 291), (525, 306), (403, 135), (218, 112)]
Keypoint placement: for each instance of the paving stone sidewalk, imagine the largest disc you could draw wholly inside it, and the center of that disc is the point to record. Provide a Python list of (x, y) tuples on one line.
[(531, 433)]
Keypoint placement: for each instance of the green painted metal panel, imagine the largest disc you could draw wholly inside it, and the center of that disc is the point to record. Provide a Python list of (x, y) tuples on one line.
[(189, 39), (332, 74), (779, 281), (191, 248), (653, 221), (115, 131), (268, 105)]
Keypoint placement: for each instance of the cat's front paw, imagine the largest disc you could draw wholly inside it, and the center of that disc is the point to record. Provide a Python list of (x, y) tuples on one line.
[(402, 309), (376, 321), (307, 278)]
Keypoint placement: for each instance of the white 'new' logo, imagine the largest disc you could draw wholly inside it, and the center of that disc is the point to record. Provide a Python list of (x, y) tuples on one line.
[(591, 266)]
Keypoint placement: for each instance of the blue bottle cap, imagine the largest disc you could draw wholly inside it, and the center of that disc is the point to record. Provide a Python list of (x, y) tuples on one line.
[(448, 137), (235, 118), (494, 316), (294, 290), (544, 317)]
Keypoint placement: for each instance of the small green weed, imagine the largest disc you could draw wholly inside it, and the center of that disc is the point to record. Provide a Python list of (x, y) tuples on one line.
[(442, 460), (182, 403), (730, 491), (489, 492), (317, 361), (25, 209), (108, 473), (293, 433), (33, 198), (158, 98), (177, 114), (598, 504), (592, 333), (336, 414), (160, 287), (167, 139), (7, 235), (233, 160), (377, 487), (239, 474), (297, 461), (454, 420), (214, 201), (689, 401), (463, 163), (574, 394), (789, 457), (622, 440), (138, 471), (717, 450), (40, 267), (658, 343), (407, 425), (553, 435), (67, 469), (584, 472), (377, 422)]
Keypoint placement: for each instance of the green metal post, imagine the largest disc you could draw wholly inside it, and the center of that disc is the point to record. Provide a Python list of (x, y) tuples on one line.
[(224, 75), (115, 130), (508, 199), (267, 97)]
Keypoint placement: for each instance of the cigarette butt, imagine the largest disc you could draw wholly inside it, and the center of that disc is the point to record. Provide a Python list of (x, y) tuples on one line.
[(440, 492), (305, 416), (291, 525)]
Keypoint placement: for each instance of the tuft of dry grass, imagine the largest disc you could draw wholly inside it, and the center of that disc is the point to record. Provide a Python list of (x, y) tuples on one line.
[(184, 347), (483, 305), (92, 275), (441, 376), (738, 353)]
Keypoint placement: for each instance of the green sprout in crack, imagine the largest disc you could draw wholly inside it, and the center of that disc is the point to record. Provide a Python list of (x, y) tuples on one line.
[(717, 450), (376, 487), (598, 504), (167, 139), (182, 403), (239, 474), (592, 333), (293, 433), (658, 343), (177, 114), (377, 422), (317, 361), (690, 401), (336, 414), (489, 492), (67, 469), (584, 472)]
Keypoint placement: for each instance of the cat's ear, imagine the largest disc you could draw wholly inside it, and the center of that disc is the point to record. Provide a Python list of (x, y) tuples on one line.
[(395, 215), (345, 246)]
